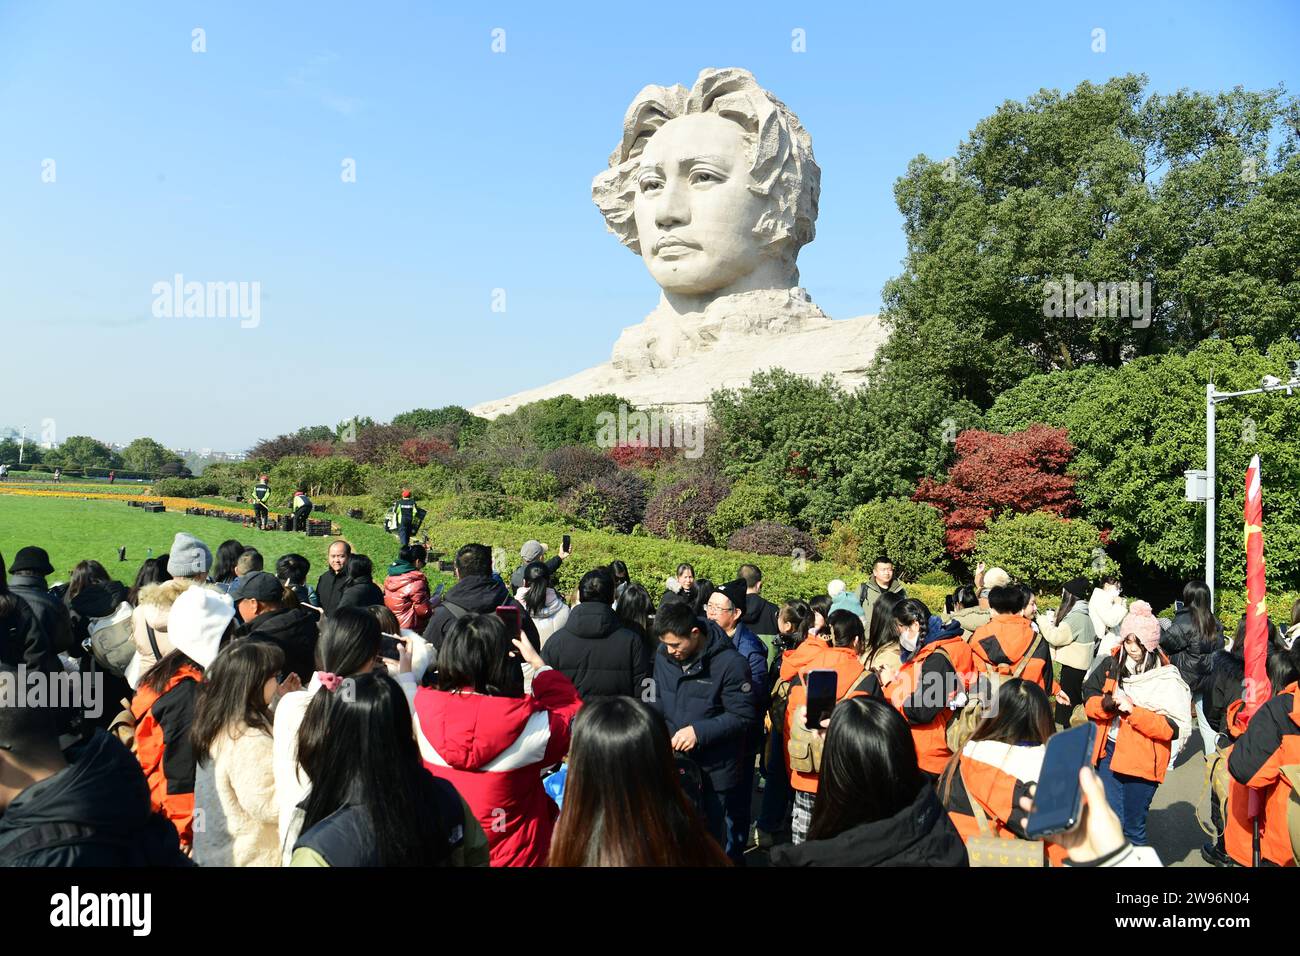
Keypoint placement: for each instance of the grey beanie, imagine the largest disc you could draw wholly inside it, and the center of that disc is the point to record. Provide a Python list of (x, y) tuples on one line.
[(188, 556)]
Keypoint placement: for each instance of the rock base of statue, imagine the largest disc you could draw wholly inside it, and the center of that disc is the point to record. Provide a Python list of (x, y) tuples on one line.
[(675, 361)]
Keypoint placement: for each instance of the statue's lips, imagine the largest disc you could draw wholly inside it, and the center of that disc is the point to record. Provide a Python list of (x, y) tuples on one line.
[(674, 248)]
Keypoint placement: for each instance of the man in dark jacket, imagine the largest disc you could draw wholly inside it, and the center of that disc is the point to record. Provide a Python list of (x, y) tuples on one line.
[(593, 649), (476, 591), (760, 613), (327, 588), (702, 686), (88, 807), (27, 581), (259, 599)]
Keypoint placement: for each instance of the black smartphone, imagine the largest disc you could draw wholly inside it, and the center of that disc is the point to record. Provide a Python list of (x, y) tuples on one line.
[(1058, 798), (390, 647), (566, 542), (821, 697), (514, 623)]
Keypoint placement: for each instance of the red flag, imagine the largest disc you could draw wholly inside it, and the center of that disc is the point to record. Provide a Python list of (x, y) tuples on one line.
[(1258, 688)]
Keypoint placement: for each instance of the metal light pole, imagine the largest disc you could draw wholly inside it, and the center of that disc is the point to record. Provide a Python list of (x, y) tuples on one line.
[(1212, 399)]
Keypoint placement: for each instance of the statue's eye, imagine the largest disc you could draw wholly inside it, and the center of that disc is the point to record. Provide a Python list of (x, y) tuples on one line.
[(649, 184), (705, 176)]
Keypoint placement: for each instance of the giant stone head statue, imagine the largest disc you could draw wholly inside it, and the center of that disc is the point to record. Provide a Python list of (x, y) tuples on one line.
[(714, 187)]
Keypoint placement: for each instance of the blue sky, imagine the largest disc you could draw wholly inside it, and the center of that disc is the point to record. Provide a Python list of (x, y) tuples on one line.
[(473, 173)]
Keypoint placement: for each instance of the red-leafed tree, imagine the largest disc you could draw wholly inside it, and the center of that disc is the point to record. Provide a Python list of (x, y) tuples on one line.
[(638, 455), (997, 474), (421, 451), (320, 449)]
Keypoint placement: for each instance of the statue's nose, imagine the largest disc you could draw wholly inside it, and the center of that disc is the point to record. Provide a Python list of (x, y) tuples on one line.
[(674, 207)]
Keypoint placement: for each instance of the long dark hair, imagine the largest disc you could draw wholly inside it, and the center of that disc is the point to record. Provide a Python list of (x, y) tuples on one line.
[(799, 616), (1068, 601), (152, 571), (821, 604), (83, 576), (357, 747), (1196, 599), (537, 578), (157, 677), (882, 633), (349, 642), (635, 609), (223, 568), (846, 628), (623, 804), (869, 770), (231, 696), (358, 568), (476, 656), (618, 569), (1024, 715)]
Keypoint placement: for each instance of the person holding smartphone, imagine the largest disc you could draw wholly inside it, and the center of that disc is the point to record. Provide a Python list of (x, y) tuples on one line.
[(1133, 742)]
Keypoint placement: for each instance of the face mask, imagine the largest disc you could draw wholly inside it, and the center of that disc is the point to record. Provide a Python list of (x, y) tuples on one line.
[(908, 641)]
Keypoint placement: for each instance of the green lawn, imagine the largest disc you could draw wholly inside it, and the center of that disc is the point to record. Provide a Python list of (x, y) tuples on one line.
[(72, 530)]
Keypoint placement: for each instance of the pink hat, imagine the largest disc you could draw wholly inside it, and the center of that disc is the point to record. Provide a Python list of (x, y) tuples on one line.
[(1142, 624)]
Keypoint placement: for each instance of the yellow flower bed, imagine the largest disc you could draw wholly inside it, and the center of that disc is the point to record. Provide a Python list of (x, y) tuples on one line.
[(172, 504)]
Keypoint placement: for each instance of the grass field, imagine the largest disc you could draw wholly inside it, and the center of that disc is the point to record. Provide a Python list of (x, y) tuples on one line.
[(72, 530)]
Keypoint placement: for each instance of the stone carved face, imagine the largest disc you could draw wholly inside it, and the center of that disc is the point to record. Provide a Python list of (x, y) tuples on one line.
[(714, 187), (696, 217)]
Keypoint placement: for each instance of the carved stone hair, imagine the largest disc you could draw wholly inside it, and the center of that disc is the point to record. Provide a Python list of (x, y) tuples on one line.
[(782, 167)]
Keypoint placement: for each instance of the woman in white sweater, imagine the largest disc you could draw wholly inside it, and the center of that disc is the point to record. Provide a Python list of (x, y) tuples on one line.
[(235, 809)]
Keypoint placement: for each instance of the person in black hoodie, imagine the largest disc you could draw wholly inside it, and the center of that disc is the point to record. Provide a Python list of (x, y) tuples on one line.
[(358, 587), (760, 613), (476, 591), (874, 805), (593, 649), (86, 807), (271, 613), (702, 686), (1191, 642), (22, 639)]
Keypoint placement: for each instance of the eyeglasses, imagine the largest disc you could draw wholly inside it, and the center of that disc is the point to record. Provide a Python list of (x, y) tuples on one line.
[(719, 607)]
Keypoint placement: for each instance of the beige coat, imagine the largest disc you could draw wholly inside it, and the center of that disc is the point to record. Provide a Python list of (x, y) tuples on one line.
[(153, 608), (240, 811), (1066, 651), (971, 620)]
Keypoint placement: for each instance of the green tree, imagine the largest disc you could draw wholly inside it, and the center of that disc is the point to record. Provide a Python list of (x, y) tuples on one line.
[(147, 455), (452, 421), (81, 451), (908, 532), (1180, 191), (1043, 550), (1139, 428)]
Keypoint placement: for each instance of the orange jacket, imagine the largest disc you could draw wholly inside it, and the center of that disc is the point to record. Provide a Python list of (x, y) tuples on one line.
[(162, 745), (999, 645), (1271, 741), (1142, 747), (997, 775), (848, 669), (922, 692), (796, 660)]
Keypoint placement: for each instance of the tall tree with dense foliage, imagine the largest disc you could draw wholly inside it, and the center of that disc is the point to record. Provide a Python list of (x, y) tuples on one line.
[(1195, 194), (148, 456), (1001, 474)]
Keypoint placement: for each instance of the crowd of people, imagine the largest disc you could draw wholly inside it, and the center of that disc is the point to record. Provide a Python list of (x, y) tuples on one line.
[(267, 721)]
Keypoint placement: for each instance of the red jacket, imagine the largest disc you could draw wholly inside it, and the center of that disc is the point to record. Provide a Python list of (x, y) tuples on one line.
[(1143, 746), (492, 750), (162, 745), (407, 596), (999, 645), (922, 692), (848, 669)]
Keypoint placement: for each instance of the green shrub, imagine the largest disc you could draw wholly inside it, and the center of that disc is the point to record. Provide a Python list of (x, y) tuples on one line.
[(911, 534), (337, 475), (528, 484), (1043, 550), (749, 501), (185, 487)]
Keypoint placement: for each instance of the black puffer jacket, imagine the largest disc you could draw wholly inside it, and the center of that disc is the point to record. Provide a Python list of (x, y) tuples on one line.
[(95, 812), (760, 615), (51, 613), (22, 641), (919, 835), (358, 592), (595, 651), (1192, 656), (1224, 687), (294, 630)]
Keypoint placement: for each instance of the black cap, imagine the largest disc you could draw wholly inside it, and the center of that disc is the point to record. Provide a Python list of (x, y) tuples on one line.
[(1078, 587), (258, 586), (735, 592), (32, 559)]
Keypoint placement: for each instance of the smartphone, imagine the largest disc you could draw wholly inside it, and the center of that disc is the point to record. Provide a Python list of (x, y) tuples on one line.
[(1178, 606), (566, 543), (446, 565), (821, 697), (1058, 799), (514, 623), (390, 647)]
